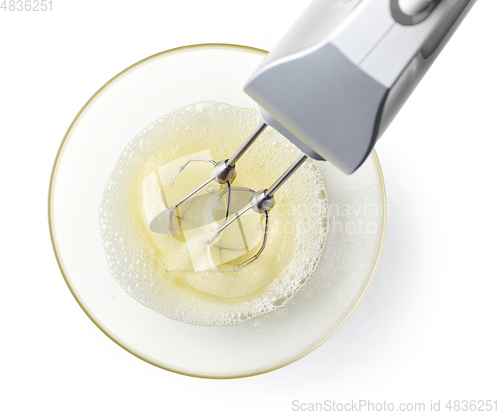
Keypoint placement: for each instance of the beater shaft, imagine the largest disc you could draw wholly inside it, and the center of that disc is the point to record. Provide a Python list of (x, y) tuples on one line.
[(246, 145), (286, 175)]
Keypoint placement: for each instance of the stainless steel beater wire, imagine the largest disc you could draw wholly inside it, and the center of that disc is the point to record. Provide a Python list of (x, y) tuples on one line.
[(226, 224), (228, 200), (263, 243), (231, 161), (286, 175), (269, 193), (198, 188), (245, 146), (196, 159), (192, 193)]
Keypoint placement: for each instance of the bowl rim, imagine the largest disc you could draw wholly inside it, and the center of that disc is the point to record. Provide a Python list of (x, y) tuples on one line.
[(59, 261)]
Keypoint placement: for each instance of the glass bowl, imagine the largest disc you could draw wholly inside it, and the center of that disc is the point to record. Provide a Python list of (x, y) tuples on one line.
[(123, 107)]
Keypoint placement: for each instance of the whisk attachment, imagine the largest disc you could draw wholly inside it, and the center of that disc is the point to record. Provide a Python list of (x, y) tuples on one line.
[(224, 172), (227, 207), (261, 202)]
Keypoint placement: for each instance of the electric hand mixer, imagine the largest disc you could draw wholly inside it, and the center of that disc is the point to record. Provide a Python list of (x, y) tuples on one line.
[(335, 82)]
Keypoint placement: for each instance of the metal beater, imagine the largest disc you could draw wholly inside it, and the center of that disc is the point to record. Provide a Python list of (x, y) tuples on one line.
[(224, 172)]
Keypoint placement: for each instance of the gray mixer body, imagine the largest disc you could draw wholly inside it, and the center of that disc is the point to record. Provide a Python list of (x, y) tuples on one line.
[(338, 78)]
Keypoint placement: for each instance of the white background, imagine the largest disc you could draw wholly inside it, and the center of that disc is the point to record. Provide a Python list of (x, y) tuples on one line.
[(427, 329)]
